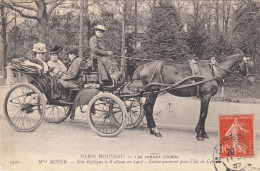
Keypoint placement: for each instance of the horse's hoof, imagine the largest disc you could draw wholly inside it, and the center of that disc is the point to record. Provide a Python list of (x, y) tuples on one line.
[(157, 134), (205, 136), (199, 138)]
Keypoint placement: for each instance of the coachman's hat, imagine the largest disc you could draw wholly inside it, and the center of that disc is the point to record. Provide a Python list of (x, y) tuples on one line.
[(39, 47), (56, 49), (100, 27)]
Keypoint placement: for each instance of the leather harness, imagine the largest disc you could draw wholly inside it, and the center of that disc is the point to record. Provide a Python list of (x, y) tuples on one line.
[(195, 72)]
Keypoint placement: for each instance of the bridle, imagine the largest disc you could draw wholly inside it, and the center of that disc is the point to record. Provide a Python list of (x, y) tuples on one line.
[(245, 62)]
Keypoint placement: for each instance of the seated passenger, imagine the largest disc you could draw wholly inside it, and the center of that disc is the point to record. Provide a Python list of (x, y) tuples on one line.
[(39, 50), (56, 67), (72, 77)]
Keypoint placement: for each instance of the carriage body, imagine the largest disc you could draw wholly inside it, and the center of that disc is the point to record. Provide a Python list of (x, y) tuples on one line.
[(100, 101)]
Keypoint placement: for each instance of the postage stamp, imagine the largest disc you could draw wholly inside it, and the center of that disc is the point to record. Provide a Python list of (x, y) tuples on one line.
[(236, 136)]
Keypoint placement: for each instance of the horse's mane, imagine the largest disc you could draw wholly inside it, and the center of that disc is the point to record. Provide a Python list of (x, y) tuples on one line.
[(186, 62)]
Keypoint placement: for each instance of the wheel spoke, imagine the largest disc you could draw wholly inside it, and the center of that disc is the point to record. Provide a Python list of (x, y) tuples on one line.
[(21, 107), (57, 114), (108, 116)]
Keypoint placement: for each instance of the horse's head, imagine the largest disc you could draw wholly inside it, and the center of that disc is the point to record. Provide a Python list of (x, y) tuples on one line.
[(239, 65), (246, 69)]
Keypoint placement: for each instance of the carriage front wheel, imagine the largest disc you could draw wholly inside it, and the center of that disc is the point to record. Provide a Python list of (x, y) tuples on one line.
[(102, 109), (135, 110), (24, 107)]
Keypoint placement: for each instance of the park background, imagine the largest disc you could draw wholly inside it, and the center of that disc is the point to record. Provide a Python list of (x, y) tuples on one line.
[(172, 30)]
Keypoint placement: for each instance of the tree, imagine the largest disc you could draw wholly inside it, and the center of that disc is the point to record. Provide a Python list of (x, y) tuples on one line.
[(165, 34), (4, 43), (246, 29), (198, 30), (3, 35), (20, 39), (84, 25), (39, 10), (226, 10)]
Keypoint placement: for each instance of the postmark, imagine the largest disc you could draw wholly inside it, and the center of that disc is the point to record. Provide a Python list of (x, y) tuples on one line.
[(236, 136), (229, 163)]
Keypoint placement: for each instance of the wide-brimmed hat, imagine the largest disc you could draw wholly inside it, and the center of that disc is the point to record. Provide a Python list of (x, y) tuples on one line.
[(100, 27), (56, 49), (39, 47), (73, 50)]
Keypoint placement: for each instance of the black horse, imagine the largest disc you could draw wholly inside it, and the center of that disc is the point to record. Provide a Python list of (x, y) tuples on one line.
[(159, 72)]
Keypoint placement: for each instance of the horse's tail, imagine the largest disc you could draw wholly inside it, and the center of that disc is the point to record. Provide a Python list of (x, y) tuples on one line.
[(136, 75)]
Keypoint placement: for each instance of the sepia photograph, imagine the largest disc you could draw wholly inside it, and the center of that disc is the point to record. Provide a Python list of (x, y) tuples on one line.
[(130, 85)]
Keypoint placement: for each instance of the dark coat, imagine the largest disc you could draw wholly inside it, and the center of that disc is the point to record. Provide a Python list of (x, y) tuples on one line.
[(98, 50), (72, 77)]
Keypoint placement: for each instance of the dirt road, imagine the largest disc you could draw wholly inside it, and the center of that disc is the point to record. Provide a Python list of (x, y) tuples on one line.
[(73, 145)]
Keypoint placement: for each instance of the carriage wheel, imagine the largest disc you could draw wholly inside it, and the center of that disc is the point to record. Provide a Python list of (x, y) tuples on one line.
[(101, 109), (135, 112), (24, 107), (56, 114)]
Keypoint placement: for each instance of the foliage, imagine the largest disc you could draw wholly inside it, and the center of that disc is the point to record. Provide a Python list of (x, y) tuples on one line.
[(222, 45), (21, 39), (246, 30), (63, 30), (198, 40), (162, 37), (165, 34)]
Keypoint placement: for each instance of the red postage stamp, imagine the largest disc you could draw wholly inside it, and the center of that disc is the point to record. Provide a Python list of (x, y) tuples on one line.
[(236, 136)]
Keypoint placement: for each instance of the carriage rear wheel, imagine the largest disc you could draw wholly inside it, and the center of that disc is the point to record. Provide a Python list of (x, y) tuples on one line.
[(24, 107), (101, 109)]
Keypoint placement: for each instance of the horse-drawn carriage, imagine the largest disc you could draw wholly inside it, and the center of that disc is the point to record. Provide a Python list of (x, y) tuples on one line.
[(110, 108)]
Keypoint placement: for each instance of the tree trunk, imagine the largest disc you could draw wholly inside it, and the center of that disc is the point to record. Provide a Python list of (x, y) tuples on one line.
[(223, 16), (154, 4), (81, 29), (4, 39), (43, 27), (209, 23), (217, 17), (227, 18), (123, 58), (86, 17), (4, 59), (136, 19), (44, 35)]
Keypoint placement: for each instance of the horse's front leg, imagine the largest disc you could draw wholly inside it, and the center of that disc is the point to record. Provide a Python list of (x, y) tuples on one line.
[(148, 110), (200, 128)]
